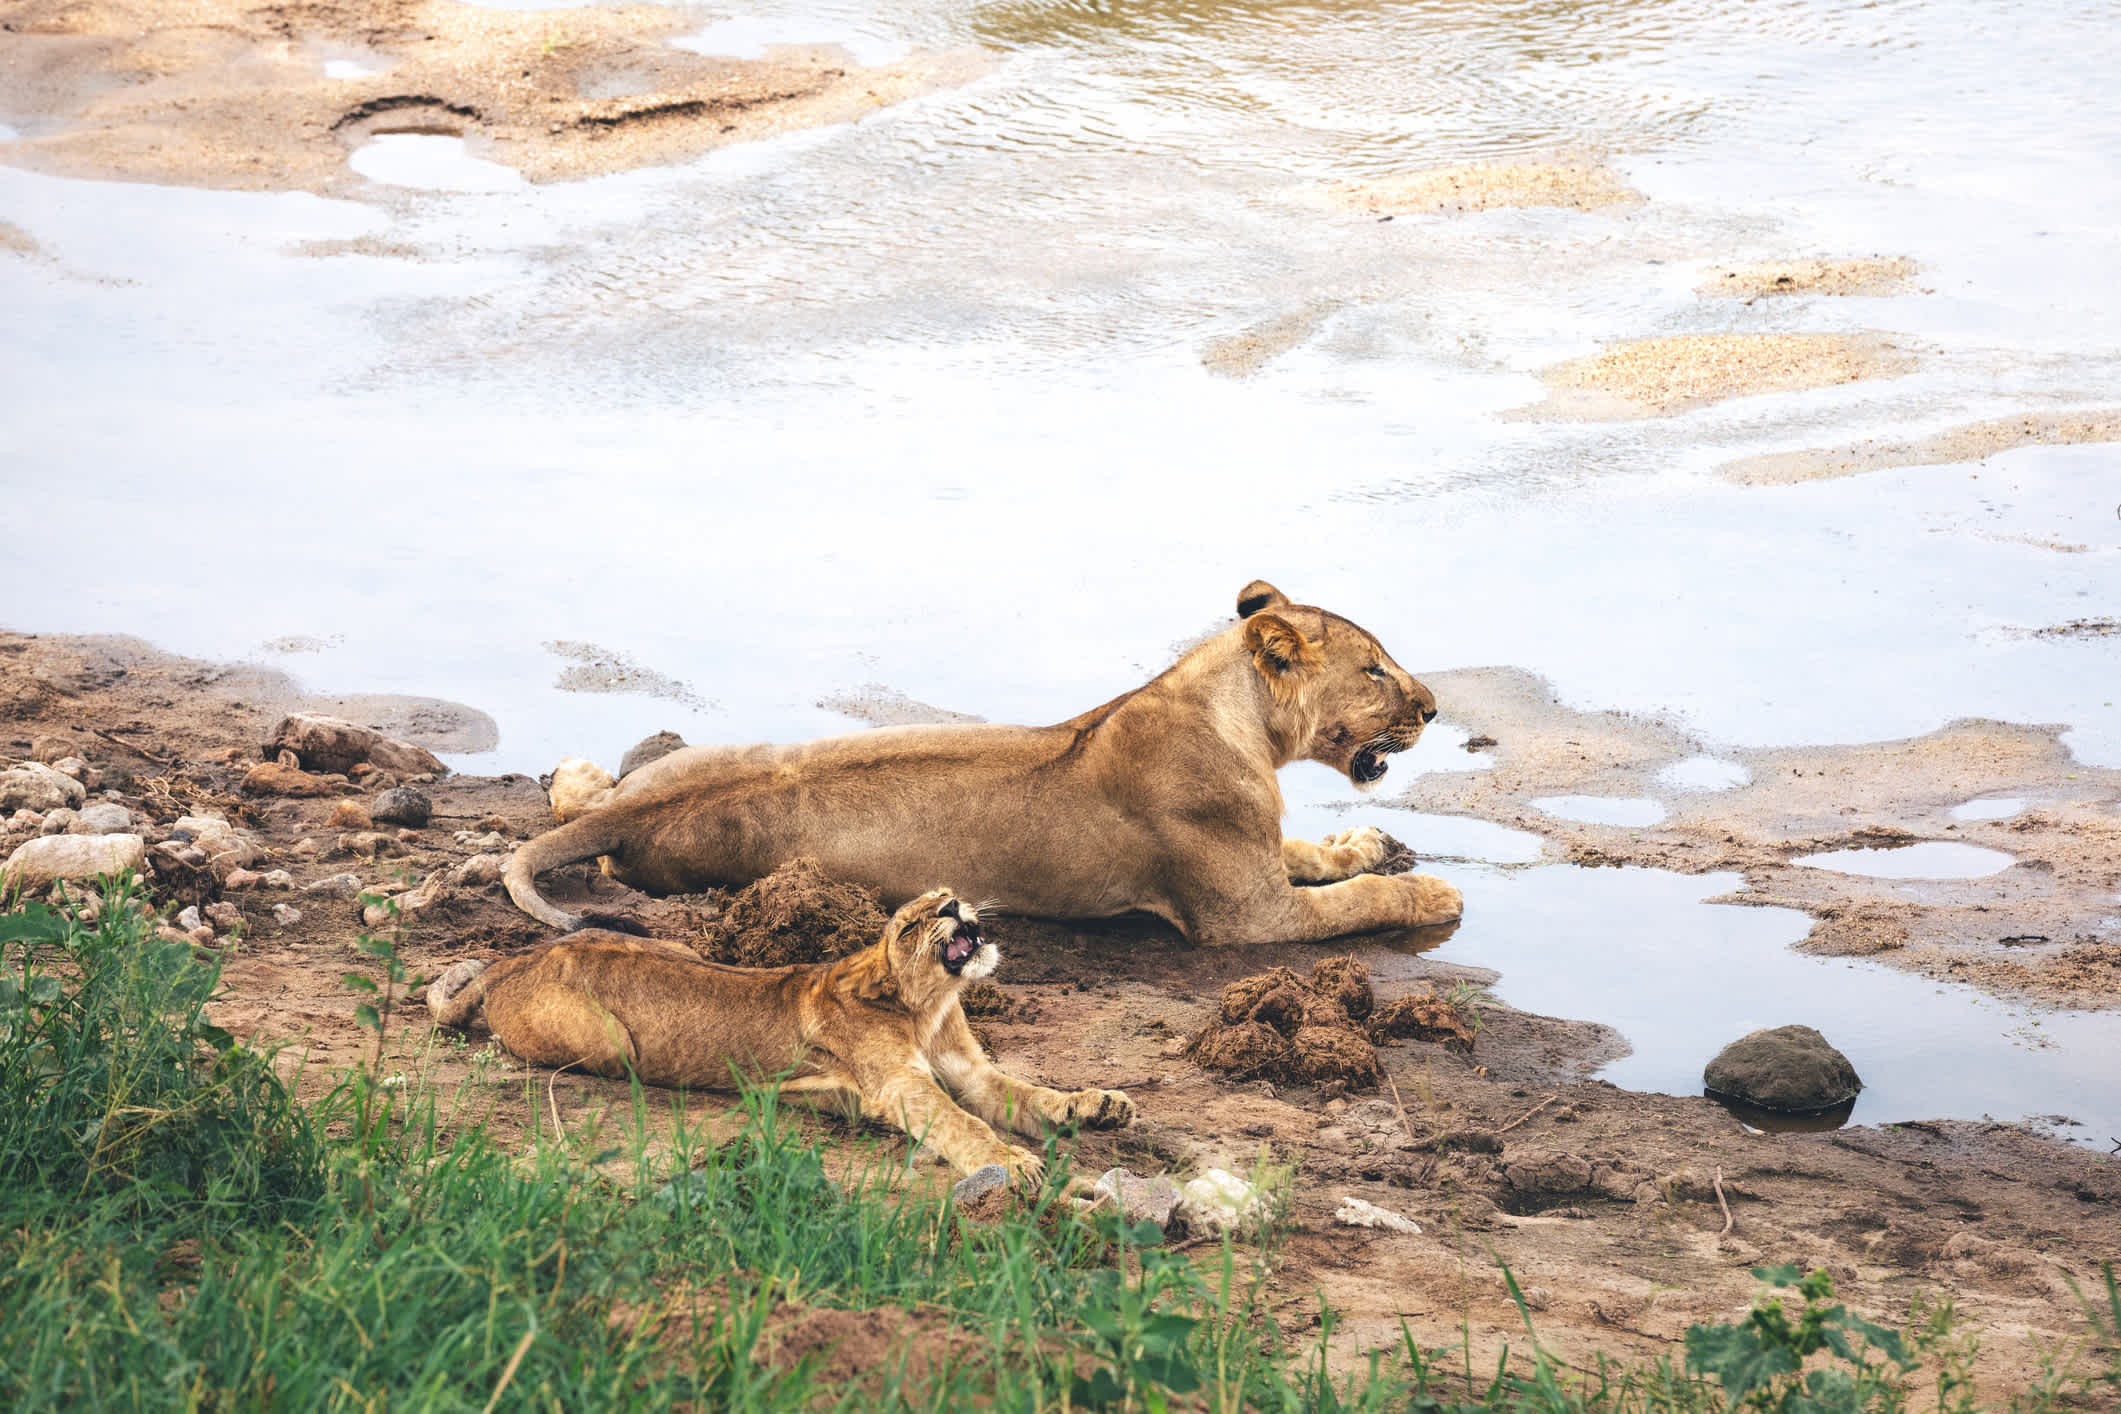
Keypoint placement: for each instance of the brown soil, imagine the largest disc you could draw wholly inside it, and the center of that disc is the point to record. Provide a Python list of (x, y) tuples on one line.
[(1601, 1200), (1484, 186), (2020, 932), (1976, 441), (1658, 377), (1319, 1030), (1875, 275), (794, 914), (224, 93)]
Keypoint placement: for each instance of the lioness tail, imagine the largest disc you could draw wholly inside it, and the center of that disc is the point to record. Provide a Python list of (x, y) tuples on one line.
[(584, 837)]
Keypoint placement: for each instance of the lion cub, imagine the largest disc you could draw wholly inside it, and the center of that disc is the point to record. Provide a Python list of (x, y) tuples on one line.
[(882, 1028)]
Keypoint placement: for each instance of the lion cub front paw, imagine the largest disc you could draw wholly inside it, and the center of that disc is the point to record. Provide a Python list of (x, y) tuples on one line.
[(1027, 1168), (1099, 1109)]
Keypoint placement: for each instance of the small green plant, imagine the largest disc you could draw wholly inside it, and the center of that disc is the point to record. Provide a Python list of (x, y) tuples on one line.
[(376, 1016), (1465, 998), (1760, 1362)]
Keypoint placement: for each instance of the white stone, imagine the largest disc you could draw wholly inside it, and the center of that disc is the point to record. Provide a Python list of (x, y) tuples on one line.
[(43, 861), (1218, 1201), (226, 846), (31, 786), (1354, 1212), (103, 818), (277, 879), (286, 914), (189, 920), (59, 822)]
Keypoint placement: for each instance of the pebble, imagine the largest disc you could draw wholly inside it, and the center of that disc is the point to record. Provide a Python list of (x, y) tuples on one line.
[(24, 820), (494, 824), (303, 849), (89, 777), (239, 879), (1218, 1201), (286, 914), (277, 879), (1354, 1212), (226, 846), (480, 869), (403, 806), (335, 744), (349, 815), (189, 920), (59, 822), (368, 843), (224, 915), (1143, 1200), (490, 842), (103, 818), (345, 885)]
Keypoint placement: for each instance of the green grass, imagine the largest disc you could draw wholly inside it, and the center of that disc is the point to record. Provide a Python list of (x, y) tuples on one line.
[(177, 1230)]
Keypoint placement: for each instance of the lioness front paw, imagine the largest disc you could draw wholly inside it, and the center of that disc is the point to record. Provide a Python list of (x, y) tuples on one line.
[(1366, 844), (1099, 1109), (1435, 901)]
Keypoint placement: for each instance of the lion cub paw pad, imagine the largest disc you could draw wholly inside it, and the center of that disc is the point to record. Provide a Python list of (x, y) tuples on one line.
[(1100, 1109)]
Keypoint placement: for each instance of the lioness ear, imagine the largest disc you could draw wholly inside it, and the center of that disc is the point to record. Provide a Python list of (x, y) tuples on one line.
[(1278, 648), (1258, 595)]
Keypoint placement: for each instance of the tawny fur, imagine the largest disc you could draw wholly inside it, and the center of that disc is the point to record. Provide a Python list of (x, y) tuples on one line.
[(881, 1029), (1163, 801)]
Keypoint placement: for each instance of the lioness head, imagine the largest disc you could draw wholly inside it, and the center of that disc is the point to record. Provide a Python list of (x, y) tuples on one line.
[(934, 944), (1340, 698)]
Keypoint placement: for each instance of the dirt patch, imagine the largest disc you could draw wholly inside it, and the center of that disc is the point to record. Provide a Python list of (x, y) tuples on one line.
[(795, 914), (1282, 1027), (223, 93), (597, 669), (1973, 442), (16, 241), (882, 706), (1243, 354), (1485, 186), (1658, 377), (1872, 275)]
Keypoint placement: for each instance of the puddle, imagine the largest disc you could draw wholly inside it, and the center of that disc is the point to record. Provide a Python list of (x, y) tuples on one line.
[(1638, 950), (1600, 809), (431, 162), (9, 133), (1318, 802), (1930, 859), (1703, 774), (2000, 809), (349, 69), (750, 36)]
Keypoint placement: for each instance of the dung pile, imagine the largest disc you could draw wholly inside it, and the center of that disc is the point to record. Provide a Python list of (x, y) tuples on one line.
[(795, 914), (1308, 1031)]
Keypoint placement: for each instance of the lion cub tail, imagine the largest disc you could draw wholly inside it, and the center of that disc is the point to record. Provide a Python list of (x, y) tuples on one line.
[(457, 997), (584, 837)]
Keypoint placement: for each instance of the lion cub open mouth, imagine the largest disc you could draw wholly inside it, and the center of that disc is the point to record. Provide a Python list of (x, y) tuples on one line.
[(966, 951)]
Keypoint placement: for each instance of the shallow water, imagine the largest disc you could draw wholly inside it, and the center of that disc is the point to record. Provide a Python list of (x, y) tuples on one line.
[(919, 401), (2001, 809), (431, 162), (1601, 809), (1929, 859)]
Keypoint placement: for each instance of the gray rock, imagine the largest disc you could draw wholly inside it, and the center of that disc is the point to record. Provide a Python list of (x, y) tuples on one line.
[(44, 861), (226, 847), (344, 885), (34, 786), (979, 1182), (1791, 1068), (649, 749), (103, 818), (1143, 1200), (286, 914), (405, 805), (189, 920)]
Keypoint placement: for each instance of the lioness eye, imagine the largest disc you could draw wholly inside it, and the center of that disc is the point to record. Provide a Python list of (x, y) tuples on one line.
[(1376, 670)]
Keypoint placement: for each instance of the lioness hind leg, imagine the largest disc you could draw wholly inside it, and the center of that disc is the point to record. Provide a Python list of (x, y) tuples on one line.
[(558, 1025), (1338, 856)]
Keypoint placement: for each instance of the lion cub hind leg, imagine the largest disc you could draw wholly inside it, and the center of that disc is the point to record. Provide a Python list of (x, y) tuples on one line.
[(558, 1025), (1336, 857)]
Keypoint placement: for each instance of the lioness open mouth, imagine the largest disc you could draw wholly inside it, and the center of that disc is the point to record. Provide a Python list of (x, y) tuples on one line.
[(1370, 764)]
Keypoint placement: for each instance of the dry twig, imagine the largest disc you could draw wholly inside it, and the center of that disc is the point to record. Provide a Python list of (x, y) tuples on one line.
[(1527, 1114), (1727, 1218)]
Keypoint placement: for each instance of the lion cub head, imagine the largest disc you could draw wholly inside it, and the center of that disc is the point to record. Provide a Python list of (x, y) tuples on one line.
[(1340, 699), (933, 946)]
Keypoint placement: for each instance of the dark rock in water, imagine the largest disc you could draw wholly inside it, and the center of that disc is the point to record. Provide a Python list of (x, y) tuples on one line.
[(649, 749), (1787, 1068), (403, 805)]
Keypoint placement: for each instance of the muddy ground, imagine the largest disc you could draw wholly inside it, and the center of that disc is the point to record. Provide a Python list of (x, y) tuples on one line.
[(1602, 1201), (225, 93)]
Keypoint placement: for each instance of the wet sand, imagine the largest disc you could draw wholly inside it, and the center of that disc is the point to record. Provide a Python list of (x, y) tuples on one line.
[(1245, 353), (1488, 186), (1659, 377), (1603, 1202), (1868, 276), (1973, 442), (218, 93)]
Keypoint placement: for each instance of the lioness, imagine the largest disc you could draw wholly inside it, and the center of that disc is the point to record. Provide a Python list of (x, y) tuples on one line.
[(1163, 800), (881, 1028)]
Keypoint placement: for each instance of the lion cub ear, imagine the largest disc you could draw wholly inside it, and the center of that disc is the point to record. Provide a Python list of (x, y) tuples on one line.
[(1278, 648), (1258, 595)]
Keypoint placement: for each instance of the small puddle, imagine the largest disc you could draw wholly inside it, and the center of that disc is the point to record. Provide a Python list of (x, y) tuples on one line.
[(1930, 859), (1600, 809), (349, 69), (431, 162), (1640, 950), (2001, 809), (749, 37), (9, 133), (1704, 773)]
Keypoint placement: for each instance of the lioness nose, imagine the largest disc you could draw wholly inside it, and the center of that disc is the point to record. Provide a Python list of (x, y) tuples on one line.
[(951, 910), (1428, 714)]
